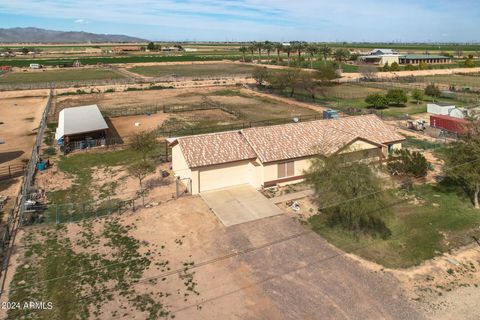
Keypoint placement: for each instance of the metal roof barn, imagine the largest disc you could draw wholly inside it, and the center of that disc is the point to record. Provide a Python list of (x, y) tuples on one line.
[(79, 120)]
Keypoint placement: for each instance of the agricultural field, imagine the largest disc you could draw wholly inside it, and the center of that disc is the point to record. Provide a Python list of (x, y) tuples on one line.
[(194, 70), (458, 80), (350, 98), (93, 60), (58, 76)]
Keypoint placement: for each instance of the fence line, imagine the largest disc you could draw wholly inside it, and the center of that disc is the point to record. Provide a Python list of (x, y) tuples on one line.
[(113, 82), (461, 95), (15, 219), (162, 132), (11, 171), (92, 143)]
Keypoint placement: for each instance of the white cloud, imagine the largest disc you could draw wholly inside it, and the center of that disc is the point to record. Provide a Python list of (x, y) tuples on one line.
[(324, 20)]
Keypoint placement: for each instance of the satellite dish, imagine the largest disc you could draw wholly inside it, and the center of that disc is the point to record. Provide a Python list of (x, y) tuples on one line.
[(296, 119)]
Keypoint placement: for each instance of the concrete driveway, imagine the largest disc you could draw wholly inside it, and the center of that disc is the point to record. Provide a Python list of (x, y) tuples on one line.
[(239, 205)]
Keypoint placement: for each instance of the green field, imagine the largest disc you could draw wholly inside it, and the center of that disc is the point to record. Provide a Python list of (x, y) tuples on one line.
[(465, 80), (441, 218), (194, 70), (58, 76), (116, 59)]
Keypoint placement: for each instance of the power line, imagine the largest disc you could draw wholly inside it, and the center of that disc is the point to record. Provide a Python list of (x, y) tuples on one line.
[(245, 251)]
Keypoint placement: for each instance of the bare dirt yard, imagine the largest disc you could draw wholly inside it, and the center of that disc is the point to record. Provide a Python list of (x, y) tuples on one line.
[(18, 127), (177, 258), (229, 104)]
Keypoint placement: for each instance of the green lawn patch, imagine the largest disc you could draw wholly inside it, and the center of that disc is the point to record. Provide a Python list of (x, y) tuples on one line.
[(441, 218), (412, 142), (67, 203)]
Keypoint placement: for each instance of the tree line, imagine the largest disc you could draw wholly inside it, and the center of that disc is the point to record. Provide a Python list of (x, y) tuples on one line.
[(293, 79), (300, 49)]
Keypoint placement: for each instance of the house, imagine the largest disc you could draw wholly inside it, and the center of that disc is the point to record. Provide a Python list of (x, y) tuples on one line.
[(267, 156), (79, 124), (381, 57), (93, 50), (126, 49), (424, 58)]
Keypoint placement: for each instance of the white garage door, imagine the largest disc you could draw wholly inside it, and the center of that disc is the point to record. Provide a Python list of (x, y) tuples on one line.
[(223, 176)]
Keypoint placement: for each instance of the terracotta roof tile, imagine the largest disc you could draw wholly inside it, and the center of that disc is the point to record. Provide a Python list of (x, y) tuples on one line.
[(215, 148), (325, 137), (287, 141)]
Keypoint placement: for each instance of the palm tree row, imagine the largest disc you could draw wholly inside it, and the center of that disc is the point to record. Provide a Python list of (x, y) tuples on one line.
[(294, 47)]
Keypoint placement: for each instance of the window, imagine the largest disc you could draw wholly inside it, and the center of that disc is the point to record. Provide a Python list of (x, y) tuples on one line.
[(286, 169), (390, 148)]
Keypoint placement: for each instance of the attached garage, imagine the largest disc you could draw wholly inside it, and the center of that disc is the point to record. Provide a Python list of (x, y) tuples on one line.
[(224, 175)]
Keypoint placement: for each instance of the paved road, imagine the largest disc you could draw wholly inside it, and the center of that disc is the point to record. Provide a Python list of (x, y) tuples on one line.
[(306, 278)]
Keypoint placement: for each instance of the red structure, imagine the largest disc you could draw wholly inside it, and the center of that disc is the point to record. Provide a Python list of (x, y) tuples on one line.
[(5, 68), (448, 123)]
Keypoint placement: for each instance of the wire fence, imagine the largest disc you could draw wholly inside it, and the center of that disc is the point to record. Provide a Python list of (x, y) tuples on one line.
[(121, 81), (93, 143), (31, 167), (470, 96), (185, 131), (132, 111), (16, 215), (204, 105), (64, 84), (74, 212)]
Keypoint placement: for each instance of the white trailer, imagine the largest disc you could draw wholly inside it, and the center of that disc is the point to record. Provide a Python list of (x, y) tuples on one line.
[(440, 108)]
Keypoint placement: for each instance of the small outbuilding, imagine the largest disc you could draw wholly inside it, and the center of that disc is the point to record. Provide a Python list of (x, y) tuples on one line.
[(440, 108), (80, 124)]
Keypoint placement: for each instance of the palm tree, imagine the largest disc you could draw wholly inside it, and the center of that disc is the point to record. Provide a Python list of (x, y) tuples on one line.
[(259, 46), (326, 51), (243, 50), (312, 50), (299, 47), (341, 54), (288, 50), (251, 48), (279, 48), (268, 46)]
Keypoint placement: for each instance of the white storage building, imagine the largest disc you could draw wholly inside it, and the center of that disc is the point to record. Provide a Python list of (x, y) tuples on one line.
[(80, 123)]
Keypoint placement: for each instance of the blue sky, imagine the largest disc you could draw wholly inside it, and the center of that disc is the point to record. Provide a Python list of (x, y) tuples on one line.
[(247, 20)]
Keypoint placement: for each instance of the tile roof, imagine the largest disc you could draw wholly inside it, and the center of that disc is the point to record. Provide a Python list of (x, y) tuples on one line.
[(287, 141), (215, 148)]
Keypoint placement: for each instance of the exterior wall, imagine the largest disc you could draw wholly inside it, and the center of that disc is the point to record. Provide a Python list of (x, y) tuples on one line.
[(389, 60), (258, 174), (436, 109), (358, 145), (179, 165), (270, 172), (224, 175)]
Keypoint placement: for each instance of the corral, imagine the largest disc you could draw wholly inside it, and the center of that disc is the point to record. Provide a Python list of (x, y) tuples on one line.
[(19, 122), (185, 108)]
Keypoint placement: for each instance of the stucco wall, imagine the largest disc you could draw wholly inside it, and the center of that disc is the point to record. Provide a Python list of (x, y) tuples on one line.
[(224, 175), (358, 145), (390, 60), (179, 165)]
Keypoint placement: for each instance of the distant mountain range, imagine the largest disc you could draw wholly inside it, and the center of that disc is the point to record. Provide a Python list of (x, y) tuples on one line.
[(36, 35)]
